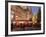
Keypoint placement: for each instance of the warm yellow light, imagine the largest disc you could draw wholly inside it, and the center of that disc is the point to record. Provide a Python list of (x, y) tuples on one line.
[(14, 22), (34, 19), (12, 16), (16, 16), (21, 22), (13, 12)]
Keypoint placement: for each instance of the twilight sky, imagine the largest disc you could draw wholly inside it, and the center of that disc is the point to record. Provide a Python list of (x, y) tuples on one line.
[(35, 9)]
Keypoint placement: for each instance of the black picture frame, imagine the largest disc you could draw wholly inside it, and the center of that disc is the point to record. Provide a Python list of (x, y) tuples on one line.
[(6, 18)]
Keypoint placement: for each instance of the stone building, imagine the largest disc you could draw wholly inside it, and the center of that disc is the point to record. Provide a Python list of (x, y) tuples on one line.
[(21, 13)]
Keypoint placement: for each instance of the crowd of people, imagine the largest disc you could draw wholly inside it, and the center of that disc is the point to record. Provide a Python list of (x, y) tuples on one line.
[(25, 26)]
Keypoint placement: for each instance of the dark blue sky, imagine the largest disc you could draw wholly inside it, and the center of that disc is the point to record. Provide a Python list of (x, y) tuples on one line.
[(35, 9)]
